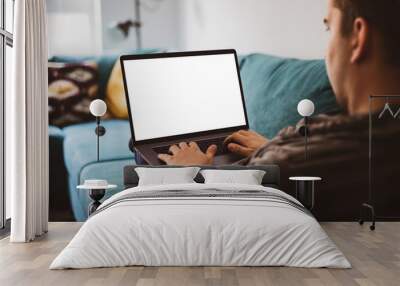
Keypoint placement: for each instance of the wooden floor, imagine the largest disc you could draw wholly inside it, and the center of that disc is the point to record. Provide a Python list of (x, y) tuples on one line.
[(375, 257)]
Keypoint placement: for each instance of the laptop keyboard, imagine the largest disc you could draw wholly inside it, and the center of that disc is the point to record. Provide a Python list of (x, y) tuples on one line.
[(203, 144)]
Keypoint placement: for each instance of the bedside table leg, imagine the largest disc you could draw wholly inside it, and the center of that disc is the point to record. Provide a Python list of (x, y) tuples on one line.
[(96, 196), (305, 193)]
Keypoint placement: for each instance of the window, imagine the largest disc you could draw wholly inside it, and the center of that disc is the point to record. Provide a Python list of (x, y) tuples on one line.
[(6, 44)]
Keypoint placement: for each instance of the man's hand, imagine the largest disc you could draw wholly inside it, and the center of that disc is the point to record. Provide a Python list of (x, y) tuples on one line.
[(245, 142), (189, 154)]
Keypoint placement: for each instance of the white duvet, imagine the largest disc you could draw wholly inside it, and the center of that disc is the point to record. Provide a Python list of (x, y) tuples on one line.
[(200, 232)]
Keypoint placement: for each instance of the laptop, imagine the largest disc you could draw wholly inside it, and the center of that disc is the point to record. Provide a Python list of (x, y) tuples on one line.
[(183, 97)]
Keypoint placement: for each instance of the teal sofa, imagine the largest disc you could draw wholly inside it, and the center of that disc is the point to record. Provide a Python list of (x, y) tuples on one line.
[(272, 86)]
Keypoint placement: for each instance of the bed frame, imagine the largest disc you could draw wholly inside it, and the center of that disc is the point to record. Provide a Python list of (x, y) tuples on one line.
[(271, 177)]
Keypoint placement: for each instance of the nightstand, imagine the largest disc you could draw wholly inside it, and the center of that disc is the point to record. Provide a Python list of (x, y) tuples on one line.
[(97, 189), (305, 188)]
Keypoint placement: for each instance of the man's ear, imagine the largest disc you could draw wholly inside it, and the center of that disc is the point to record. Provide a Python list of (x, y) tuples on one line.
[(359, 42)]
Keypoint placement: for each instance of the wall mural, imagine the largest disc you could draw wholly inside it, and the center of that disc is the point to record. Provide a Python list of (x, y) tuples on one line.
[(273, 86)]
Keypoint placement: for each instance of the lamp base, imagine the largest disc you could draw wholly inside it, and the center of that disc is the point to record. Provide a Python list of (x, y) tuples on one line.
[(100, 130), (371, 208)]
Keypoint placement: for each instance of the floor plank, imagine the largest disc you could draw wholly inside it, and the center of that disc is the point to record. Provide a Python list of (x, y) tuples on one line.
[(375, 257)]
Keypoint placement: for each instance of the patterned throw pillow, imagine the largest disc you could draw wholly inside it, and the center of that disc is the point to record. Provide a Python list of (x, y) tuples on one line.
[(71, 89)]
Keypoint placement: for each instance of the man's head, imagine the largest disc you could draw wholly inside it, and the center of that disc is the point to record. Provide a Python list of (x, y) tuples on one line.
[(365, 36)]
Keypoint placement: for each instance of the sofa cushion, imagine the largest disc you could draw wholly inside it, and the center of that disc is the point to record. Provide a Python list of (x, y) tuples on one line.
[(80, 152), (105, 63), (274, 86), (115, 93), (71, 89)]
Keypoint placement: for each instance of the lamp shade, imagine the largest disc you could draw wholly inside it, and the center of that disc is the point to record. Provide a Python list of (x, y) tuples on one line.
[(306, 108), (98, 107)]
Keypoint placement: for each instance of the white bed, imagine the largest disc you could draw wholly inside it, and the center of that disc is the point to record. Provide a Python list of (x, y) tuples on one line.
[(209, 230)]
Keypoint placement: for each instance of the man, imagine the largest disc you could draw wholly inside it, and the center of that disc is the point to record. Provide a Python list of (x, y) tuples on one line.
[(363, 59)]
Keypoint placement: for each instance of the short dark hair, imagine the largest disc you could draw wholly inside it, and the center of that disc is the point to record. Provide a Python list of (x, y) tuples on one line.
[(381, 14)]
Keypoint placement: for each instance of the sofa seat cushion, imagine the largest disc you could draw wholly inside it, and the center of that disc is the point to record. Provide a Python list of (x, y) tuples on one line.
[(274, 86), (80, 155)]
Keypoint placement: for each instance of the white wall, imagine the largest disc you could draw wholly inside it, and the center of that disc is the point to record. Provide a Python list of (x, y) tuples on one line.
[(282, 27), (160, 24), (81, 27), (73, 27)]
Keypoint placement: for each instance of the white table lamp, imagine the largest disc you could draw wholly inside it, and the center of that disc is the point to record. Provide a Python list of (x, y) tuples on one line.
[(98, 108), (306, 109)]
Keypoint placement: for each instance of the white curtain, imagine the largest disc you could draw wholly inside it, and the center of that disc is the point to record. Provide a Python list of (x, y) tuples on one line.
[(26, 124)]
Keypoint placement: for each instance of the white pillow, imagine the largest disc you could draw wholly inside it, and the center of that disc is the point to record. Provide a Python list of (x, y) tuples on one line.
[(166, 176), (246, 177)]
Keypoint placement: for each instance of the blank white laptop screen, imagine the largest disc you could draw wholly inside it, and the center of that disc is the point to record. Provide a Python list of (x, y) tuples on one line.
[(183, 95)]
